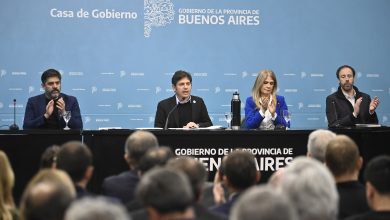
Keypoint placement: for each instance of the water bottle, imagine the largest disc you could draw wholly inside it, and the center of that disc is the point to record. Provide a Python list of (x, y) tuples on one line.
[(236, 111)]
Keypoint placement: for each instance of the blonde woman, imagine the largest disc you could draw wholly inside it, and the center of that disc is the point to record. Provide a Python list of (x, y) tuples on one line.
[(7, 178), (264, 109)]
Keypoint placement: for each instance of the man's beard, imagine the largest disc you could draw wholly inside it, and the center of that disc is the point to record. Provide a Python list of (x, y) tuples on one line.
[(54, 94)]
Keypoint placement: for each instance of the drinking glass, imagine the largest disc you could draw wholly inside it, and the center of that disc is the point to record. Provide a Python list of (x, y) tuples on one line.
[(287, 117), (228, 119), (66, 115)]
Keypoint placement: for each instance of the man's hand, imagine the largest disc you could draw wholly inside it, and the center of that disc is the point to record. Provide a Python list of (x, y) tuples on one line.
[(374, 104), (356, 107), (49, 109), (191, 125), (60, 105)]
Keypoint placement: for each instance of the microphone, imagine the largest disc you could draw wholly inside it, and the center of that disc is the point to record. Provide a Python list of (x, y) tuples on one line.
[(335, 114), (14, 126), (169, 114)]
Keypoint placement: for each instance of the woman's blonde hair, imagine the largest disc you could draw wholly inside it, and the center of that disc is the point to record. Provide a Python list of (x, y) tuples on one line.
[(7, 180), (256, 90)]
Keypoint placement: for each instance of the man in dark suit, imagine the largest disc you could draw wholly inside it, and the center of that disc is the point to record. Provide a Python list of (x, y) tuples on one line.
[(239, 174), (196, 173), (348, 106), (343, 159), (377, 177), (122, 186), (45, 111), (182, 110)]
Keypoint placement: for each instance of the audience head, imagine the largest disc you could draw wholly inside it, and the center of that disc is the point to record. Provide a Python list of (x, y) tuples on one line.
[(165, 191), (240, 170), (75, 158), (311, 189), (155, 157), (136, 146), (7, 180), (377, 177), (47, 196), (317, 142), (263, 202), (49, 157), (96, 208), (343, 158), (194, 170)]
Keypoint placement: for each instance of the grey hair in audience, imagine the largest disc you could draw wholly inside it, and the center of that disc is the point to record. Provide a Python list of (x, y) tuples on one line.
[(137, 144), (263, 202), (165, 190), (311, 189), (96, 208), (317, 142)]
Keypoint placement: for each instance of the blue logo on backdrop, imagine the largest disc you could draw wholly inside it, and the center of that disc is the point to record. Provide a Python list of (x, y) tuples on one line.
[(157, 13)]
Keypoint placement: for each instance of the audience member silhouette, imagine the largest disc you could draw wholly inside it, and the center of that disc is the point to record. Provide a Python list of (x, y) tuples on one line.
[(49, 157), (47, 196), (8, 211), (239, 173), (197, 174), (75, 158), (344, 161), (166, 194), (96, 208), (310, 187), (317, 142), (122, 186), (263, 202), (377, 177)]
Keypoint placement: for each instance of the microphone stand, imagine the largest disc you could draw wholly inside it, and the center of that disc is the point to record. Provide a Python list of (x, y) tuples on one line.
[(14, 126), (169, 114)]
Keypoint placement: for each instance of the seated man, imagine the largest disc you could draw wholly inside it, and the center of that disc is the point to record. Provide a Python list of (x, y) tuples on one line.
[(45, 111), (182, 109), (349, 106)]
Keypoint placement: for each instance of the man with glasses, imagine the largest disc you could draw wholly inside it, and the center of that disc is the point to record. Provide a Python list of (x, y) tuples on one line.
[(348, 106)]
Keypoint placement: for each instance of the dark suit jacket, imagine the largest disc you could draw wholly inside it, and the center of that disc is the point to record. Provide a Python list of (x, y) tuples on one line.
[(36, 108), (339, 110), (199, 113), (225, 208), (121, 186), (352, 199), (201, 213)]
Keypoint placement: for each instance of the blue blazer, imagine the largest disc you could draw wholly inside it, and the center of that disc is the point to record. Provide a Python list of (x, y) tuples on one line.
[(253, 117), (36, 108)]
